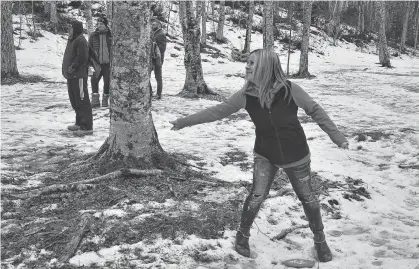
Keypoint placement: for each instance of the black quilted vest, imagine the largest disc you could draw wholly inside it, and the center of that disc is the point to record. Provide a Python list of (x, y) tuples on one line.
[(279, 135)]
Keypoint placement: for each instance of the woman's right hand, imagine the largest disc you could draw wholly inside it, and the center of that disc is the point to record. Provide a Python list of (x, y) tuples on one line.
[(175, 126)]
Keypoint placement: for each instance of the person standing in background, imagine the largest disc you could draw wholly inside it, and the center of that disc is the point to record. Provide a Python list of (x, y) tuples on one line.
[(101, 41)]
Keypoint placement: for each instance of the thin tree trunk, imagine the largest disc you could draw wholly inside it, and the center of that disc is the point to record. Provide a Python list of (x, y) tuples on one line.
[(415, 46), (168, 18), (336, 20), (384, 55), (268, 37), (290, 11), (358, 25), (212, 14), (8, 53), (303, 69), (132, 136), (221, 19), (194, 82), (404, 31), (33, 22), (204, 24), (109, 12), (46, 8), (88, 16), (362, 18), (53, 16), (249, 24), (20, 25), (198, 8)]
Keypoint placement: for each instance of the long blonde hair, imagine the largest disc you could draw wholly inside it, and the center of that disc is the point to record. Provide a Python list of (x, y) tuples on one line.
[(268, 76)]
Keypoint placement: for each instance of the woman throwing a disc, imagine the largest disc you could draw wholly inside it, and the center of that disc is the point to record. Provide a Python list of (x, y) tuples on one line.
[(272, 103)]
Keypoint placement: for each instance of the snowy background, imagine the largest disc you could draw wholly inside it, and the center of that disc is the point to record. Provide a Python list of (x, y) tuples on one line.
[(376, 108)]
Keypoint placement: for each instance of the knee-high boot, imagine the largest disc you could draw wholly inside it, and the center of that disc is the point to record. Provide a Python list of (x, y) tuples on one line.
[(313, 214)]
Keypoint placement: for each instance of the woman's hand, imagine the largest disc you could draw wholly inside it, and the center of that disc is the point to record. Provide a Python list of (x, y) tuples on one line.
[(345, 145), (175, 126)]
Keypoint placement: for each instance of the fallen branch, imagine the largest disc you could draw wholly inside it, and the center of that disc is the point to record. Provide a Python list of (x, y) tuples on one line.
[(35, 232), (183, 179), (77, 237), (83, 184), (211, 47), (188, 164), (407, 166), (284, 232)]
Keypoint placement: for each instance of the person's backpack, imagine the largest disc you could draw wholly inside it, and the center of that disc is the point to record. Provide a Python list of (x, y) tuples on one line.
[(93, 61)]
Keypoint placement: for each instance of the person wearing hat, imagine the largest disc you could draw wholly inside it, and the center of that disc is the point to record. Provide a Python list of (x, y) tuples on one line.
[(101, 41), (158, 39), (75, 70)]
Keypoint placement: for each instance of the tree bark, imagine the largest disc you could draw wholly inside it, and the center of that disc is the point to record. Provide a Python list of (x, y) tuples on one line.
[(249, 24), (204, 24), (384, 55), (132, 136), (88, 16), (194, 81), (268, 34), (303, 69), (221, 19), (8, 53)]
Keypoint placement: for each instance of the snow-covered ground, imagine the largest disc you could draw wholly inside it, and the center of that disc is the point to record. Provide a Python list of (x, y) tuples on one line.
[(360, 96)]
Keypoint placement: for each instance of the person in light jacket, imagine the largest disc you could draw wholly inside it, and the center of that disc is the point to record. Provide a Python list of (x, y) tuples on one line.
[(158, 39), (272, 102)]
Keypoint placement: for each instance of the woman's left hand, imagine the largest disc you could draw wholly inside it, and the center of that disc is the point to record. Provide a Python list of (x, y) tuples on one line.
[(175, 126)]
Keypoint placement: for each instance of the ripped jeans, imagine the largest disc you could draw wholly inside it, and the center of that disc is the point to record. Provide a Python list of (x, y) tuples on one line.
[(263, 175)]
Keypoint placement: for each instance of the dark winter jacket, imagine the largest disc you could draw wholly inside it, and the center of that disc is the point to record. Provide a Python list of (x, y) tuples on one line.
[(97, 46), (160, 38), (279, 135), (76, 54)]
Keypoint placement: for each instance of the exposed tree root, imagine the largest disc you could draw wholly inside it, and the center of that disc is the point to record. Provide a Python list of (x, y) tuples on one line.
[(303, 75), (285, 232), (84, 184), (76, 238), (409, 166)]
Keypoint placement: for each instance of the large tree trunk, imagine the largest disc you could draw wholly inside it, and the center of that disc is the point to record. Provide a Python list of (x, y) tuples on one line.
[(303, 70), (249, 24), (194, 83), (8, 54), (132, 136), (53, 15), (88, 16), (219, 36), (404, 31), (204, 24), (384, 55), (268, 33)]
